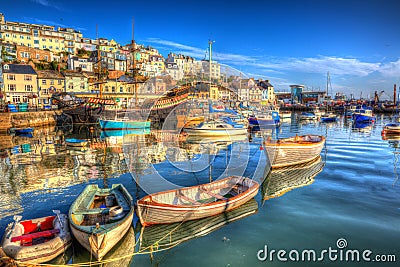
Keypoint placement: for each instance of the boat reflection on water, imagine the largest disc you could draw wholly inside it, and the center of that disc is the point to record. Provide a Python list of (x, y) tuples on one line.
[(282, 180), (394, 142), (120, 255), (362, 127), (165, 236)]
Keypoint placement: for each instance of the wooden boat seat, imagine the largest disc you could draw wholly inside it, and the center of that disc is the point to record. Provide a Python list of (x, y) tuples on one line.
[(35, 235), (239, 188), (208, 192), (182, 196), (89, 211)]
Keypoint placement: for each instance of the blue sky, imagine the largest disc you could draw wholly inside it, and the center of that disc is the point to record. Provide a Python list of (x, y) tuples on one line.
[(285, 41)]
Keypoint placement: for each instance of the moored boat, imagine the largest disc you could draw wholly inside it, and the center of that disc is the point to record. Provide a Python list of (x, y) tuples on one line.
[(196, 202), (37, 240), (214, 128), (99, 218), (293, 150), (328, 118), (391, 128), (363, 115), (307, 116), (123, 124), (271, 118)]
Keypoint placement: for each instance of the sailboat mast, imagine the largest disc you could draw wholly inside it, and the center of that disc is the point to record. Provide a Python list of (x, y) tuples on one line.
[(99, 62), (134, 63), (209, 59)]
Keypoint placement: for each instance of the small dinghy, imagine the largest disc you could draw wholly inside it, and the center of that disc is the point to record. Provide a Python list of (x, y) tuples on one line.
[(37, 240)]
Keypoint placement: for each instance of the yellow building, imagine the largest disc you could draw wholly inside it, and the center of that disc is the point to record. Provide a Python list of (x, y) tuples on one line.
[(49, 82), (20, 83)]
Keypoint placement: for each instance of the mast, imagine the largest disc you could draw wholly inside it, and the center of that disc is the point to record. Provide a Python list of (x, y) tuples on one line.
[(99, 62), (134, 63), (210, 62)]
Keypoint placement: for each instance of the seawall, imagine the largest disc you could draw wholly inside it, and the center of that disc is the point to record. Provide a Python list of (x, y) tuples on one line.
[(27, 119)]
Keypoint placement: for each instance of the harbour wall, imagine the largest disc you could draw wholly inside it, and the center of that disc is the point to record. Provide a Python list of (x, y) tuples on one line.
[(27, 119)]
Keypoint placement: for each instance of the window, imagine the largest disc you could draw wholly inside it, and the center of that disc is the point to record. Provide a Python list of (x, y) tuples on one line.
[(36, 41), (113, 89), (16, 99), (10, 77), (44, 82), (51, 82), (37, 56), (59, 82), (106, 88), (25, 99), (45, 91), (46, 58), (82, 86), (120, 89), (12, 87), (71, 86), (28, 87), (28, 77), (36, 34)]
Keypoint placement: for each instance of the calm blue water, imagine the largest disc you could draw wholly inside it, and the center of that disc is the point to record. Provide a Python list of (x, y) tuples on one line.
[(354, 195)]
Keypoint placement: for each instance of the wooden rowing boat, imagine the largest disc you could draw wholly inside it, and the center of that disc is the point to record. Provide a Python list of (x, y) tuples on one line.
[(165, 236), (293, 150), (196, 202), (280, 181), (391, 128), (37, 240), (99, 218)]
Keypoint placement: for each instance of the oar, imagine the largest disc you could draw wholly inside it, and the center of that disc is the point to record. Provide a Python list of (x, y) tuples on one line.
[(16, 218), (57, 213)]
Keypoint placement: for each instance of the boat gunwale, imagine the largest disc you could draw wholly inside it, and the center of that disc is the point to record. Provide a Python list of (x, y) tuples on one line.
[(143, 201)]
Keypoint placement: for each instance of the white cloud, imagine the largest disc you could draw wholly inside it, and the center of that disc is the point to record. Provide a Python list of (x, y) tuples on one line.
[(391, 69), (45, 3)]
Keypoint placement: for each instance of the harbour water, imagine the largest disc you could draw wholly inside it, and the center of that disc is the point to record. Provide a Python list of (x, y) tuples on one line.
[(346, 200)]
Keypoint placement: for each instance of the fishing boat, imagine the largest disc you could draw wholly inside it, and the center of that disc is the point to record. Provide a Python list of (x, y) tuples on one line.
[(293, 150), (196, 202), (99, 218), (363, 115), (165, 236), (285, 114), (282, 180), (37, 240), (391, 128), (328, 117), (75, 142), (215, 128)]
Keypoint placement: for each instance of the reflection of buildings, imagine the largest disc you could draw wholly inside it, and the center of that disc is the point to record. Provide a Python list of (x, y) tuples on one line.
[(164, 236), (279, 181)]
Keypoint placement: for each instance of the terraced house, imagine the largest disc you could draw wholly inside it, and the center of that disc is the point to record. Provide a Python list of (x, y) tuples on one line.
[(20, 83), (49, 82)]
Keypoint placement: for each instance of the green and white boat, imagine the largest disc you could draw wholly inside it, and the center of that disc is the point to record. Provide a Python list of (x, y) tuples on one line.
[(99, 217)]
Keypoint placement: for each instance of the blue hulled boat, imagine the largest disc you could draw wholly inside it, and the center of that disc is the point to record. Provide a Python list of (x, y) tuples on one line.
[(122, 124), (363, 115)]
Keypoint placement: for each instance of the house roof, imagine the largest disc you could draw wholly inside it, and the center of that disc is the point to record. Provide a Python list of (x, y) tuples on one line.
[(18, 69), (49, 74), (73, 74)]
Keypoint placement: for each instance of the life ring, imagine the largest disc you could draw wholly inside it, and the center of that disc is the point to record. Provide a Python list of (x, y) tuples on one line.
[(116, 212)]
